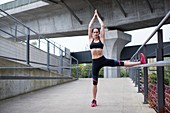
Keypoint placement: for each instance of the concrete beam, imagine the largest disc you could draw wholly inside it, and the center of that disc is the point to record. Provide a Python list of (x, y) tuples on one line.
[(121, 8), (93, 7), (72, 12), (55, 21), (69, 9), (149, 5)]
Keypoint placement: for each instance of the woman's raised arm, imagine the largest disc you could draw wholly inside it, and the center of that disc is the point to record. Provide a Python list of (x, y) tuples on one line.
[(102, 26), (89, 27)]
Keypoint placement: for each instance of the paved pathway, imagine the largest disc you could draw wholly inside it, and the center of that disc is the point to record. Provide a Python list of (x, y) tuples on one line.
[(116, 95)]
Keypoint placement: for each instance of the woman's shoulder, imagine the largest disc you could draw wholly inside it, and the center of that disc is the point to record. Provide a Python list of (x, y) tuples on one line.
[(101, 40)]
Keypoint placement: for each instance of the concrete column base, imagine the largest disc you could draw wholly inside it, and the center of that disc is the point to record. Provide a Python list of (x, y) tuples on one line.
[(115, 41)]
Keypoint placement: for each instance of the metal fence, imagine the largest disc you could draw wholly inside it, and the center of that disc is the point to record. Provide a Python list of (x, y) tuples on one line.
[(139, 74), (22, 44)]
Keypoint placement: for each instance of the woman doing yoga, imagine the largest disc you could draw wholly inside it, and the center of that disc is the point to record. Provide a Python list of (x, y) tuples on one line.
[(96, 39)]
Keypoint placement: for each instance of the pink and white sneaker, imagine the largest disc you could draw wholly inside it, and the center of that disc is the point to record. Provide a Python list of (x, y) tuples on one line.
[(142, 58), (94, 103)]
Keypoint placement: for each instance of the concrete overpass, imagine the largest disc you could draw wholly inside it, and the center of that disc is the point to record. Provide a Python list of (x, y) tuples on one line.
[(61, 18)]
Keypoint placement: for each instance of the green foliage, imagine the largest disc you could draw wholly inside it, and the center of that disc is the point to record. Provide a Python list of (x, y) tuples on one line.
[(85, 71), (123, 72), (74, 72), (153, 78), (167, 73), (101, 73), (167, 81)]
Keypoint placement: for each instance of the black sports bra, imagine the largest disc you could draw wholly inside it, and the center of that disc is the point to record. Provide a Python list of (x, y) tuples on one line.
[(96, 45)]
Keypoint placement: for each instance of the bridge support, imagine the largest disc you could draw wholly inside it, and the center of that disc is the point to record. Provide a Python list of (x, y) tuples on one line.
[(114, 43)]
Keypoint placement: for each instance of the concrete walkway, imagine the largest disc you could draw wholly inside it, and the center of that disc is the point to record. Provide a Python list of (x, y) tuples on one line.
[(116, 95)]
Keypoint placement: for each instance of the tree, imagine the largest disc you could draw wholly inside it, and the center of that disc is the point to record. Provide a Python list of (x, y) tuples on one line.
[(85, 71)]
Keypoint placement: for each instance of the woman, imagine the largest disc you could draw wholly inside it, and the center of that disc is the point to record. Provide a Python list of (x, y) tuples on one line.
[(98, 60)]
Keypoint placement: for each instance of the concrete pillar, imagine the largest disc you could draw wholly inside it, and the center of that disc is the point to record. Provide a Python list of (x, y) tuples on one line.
[(114, 43)]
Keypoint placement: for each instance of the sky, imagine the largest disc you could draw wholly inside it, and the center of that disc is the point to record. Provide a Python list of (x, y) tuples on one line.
[(81, 43)]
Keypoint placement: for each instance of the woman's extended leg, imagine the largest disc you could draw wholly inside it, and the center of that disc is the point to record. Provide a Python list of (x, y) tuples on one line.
[(142, 61), (129, 64)]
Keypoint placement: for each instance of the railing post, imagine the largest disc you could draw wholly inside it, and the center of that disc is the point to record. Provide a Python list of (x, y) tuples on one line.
[(54, 48), (135, 74), (48, 54), (28, 46), (138, 74), (16, 27), (145, 69), (61, 61), (160, 74), (70, 65), (77, 69), (130, 73)]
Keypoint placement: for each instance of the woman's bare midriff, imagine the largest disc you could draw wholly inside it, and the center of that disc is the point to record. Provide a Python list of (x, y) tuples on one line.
[(96, 53)]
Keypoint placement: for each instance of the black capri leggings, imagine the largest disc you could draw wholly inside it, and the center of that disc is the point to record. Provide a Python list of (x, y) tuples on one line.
[(97, 64)]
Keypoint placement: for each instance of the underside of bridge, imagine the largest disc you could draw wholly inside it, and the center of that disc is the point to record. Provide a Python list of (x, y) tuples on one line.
[(62, 18)]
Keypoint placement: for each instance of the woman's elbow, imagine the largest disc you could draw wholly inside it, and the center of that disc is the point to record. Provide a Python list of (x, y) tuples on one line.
[(102, 25)]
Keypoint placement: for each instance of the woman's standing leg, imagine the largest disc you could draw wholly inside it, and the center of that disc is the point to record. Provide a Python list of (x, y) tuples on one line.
[(94, 92), (95, 70)]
